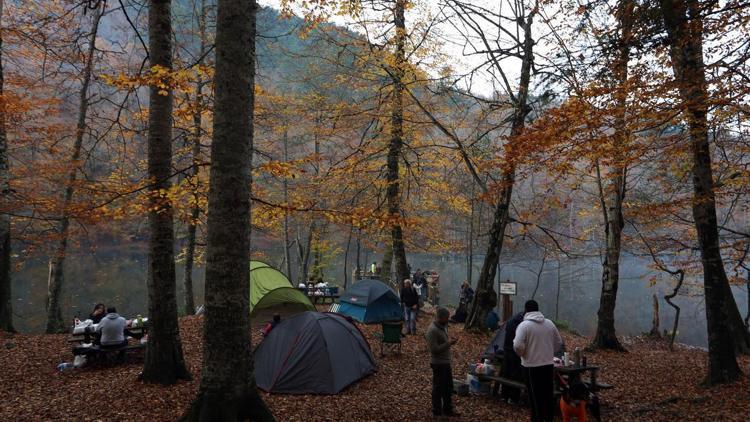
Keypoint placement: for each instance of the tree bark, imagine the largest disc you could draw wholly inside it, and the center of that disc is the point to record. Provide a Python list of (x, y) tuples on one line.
[(228, 391), (164, 360), (194, 173), (287, 255), (6, 294), (386, 264), (612, 199), (485, 297), (393, 192), (470, 240), (684, 27), (655, 320), (55, 323)]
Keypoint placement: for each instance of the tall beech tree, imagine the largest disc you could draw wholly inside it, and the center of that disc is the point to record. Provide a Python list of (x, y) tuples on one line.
[(683, 21), (6, 297), (612, 189), (55, 322), (393, 191), (164, 363), (196, 136), (486, 297), (227, 390)]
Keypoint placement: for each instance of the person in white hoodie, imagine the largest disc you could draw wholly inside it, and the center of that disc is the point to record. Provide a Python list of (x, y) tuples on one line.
[(536, 342)]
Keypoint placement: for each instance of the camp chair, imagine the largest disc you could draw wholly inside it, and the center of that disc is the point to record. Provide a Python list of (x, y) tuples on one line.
[(390, 337)]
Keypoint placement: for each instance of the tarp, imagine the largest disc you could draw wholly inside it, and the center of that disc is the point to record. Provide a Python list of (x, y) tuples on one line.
[(312, 353), (270, 288), (371, 301)]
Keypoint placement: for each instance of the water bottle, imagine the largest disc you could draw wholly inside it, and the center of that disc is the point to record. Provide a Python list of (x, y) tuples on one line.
[(65, 366), (577, 356)]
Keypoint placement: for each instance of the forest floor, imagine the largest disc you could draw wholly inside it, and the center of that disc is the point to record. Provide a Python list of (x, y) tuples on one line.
[(651, 384)]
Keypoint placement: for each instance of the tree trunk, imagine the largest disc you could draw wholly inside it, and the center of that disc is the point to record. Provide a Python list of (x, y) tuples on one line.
[(655, 320), (55, 323), (346, 254), (6, 295), (287, 255), (470, 240), (227, 390), (684, 27), (614, 195), (385, 269), (304, 254), (196, 152), (485, 297), (393, 193), (164, 360)]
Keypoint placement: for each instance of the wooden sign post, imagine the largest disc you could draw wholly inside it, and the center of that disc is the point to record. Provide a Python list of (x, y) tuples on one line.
[(507, 289)]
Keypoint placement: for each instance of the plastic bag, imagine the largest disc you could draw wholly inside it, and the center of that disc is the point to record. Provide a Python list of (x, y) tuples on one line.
[(79, 361)]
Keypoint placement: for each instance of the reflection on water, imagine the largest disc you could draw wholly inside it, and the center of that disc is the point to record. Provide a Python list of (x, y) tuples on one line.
[(119, 279), (580, 287)]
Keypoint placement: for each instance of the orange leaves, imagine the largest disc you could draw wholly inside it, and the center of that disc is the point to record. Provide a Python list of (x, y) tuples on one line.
[(159, 77)]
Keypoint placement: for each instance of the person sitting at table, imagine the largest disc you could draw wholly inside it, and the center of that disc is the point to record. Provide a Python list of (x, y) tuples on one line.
[(573, 400), (98, 313), (112, 329)]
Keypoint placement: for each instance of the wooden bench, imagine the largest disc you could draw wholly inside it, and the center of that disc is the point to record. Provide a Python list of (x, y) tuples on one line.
[(105, 354), (598, 386), (497, 381)]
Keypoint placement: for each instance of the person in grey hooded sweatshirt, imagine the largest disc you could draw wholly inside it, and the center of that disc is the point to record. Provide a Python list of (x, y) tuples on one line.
[(536, 342), (112, 328)]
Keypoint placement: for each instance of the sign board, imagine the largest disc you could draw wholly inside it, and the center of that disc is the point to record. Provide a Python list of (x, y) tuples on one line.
[(507, 288)]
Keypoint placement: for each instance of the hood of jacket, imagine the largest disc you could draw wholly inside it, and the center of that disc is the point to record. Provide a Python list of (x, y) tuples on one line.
[(112, 316), (534, 316)]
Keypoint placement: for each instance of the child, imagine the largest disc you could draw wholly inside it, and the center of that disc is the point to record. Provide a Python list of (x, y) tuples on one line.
[(573, 401)]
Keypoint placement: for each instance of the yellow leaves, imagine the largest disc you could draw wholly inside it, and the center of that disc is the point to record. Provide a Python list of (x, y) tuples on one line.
[(159, 77)]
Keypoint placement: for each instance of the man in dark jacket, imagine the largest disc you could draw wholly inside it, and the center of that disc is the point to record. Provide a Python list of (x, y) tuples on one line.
[(439, 345), (511, 361), (410, 302)]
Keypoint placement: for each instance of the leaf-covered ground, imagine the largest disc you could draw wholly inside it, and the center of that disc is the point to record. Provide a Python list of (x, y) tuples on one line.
[(651, 384)]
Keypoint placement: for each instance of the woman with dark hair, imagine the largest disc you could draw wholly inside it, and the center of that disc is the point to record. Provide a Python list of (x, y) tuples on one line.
[(98, 313)]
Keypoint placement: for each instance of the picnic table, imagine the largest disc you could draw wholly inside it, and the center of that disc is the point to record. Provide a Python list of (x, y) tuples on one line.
[(570, 373), (575, 372), (90, 336), (320, 293)]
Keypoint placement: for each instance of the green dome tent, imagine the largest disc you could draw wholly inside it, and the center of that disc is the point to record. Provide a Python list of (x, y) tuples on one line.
[(271, 292)]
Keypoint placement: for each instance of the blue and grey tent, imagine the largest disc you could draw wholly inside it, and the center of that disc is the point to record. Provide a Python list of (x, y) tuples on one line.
[(371, 301), (312, 353)]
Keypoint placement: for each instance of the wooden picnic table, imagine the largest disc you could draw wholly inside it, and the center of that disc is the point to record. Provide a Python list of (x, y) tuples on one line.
[(573, 372), (320, 293), (569, 372), (90, 335)]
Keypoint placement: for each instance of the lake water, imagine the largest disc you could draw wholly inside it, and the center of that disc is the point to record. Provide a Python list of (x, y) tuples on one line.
[(117, 277)]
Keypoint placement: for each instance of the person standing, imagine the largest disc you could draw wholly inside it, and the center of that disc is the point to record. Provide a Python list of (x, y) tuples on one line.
[(536, 341), (410, 302), (511, 361), (439, 345)]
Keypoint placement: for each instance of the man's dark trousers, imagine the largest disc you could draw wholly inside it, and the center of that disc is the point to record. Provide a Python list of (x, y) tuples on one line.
[(540, 386), (442, 387), (512, 370)]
